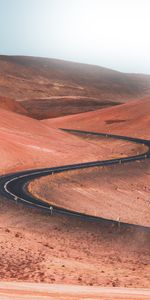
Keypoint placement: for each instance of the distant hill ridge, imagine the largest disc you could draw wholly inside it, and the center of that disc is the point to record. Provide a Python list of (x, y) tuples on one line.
[(37, 82)]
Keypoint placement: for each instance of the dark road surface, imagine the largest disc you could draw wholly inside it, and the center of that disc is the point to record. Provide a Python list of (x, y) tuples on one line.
[(14, 186)]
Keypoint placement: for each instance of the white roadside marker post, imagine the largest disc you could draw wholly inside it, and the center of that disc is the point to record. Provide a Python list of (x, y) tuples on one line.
[(118, 220), (51, 209), (16, 199)]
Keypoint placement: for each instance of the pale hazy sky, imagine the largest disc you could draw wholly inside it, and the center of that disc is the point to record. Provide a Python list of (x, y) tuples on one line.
[(110, 33)]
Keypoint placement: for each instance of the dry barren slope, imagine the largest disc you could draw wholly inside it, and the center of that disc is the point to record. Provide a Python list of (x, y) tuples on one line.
[(132, 118), (47, 85), (111, 192), (27, 143), (69, 250), (11, 105), (117, 192)]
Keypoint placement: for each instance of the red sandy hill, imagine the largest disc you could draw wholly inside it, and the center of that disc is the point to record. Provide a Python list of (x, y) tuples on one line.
[(12, 105), (64, 249), (132, 118), (51, 88), (121, 190), (27, 143)]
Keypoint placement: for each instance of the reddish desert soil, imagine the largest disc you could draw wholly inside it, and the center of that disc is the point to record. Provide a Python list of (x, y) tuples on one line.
[(36, 247), (39, 81), (12, 105), (27, 143), (56, 106), (113, 192), (131, 118), (34, 291), (109, 192)]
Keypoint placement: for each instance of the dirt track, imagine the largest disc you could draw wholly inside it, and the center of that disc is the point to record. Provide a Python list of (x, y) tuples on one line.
[(22, 291)]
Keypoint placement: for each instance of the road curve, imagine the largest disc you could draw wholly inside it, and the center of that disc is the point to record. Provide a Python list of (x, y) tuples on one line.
[(41, 291), (14, 186)]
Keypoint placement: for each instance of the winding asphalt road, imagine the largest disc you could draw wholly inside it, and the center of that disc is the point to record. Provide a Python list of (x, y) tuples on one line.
[(14, 186)]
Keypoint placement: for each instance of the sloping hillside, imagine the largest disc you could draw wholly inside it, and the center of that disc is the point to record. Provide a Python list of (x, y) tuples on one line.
[(12, 105), (27, 143), (132, 118), (46, 85)]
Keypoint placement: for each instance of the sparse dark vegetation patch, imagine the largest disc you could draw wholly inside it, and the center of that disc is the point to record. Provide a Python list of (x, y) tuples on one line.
[(53, 108), (114, 121)]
